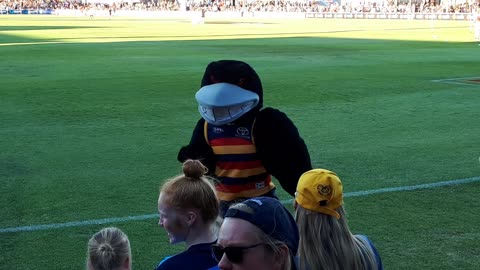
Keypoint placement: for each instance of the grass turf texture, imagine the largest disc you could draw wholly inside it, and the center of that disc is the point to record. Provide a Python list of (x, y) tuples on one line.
[(93, 112)]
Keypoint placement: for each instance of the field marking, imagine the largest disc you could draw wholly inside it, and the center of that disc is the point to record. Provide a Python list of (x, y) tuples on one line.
[(75, 224), (456, 81), (152, 216)]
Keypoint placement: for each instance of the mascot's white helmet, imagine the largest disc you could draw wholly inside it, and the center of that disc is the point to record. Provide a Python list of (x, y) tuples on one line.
[(222, 103), (230, 89)]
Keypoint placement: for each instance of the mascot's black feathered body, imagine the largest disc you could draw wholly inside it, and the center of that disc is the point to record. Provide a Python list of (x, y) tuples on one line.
[(240, 143)]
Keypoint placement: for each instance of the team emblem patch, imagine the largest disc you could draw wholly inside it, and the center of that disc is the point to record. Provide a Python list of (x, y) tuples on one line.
[(324, 190)]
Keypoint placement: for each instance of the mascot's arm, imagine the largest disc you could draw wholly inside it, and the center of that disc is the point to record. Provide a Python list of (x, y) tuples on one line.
[(198, 148), (282, 151)]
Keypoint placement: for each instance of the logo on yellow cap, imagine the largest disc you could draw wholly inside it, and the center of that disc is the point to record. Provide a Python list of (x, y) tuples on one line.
[(324, 190)]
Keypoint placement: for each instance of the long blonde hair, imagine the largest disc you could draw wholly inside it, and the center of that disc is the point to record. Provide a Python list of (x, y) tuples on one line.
[(108, 249), (327, 243)]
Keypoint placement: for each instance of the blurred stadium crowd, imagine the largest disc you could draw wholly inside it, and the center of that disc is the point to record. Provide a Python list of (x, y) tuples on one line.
[(387, 6)]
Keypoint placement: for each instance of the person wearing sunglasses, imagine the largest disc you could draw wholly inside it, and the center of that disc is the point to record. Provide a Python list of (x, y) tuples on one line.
[(109, 249), (325, 239), (188, 208), (257, 234)]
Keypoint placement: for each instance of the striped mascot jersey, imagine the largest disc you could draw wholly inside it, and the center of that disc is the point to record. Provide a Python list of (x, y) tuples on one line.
[(239, 170)]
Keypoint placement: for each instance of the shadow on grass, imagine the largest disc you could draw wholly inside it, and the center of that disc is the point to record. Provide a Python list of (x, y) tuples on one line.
[(32, 27)]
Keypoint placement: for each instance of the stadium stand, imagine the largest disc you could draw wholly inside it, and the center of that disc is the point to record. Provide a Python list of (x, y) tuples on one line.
[(323, 9)]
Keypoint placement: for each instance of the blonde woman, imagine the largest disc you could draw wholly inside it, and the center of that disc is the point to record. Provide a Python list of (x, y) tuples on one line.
[(109, 249), (188, 209), (325, 239)]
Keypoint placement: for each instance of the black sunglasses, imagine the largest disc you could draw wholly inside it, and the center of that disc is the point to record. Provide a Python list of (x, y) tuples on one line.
[(234, 254)]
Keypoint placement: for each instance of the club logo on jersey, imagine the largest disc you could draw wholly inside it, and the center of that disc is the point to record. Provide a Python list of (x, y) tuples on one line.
[(217, 130), (259, 185), (243, 132)]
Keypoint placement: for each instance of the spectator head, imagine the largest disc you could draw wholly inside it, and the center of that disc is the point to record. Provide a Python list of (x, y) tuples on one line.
[(259, 233), (323, 227), (229, 90), (320, 191), (109, 249), (187, 201)]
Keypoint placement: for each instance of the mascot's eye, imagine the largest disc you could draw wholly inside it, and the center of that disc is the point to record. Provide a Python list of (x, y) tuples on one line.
[(241, 82), (323, 203), (213, 80)]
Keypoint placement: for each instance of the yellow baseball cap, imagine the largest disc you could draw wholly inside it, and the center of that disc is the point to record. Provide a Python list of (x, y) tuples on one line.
[(321, 191)]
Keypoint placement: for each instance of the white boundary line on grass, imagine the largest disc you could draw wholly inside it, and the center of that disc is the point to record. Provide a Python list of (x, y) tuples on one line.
[(455, 81), (152, 216)]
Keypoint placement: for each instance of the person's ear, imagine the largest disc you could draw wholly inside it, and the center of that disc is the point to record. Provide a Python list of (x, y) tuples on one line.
[(89, 264), (191, 217), (127, 264), (284, 251), (281, 256)]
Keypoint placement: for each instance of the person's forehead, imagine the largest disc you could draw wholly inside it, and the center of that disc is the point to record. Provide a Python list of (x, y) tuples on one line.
[(162, 204), (236, 231), (161, 199)]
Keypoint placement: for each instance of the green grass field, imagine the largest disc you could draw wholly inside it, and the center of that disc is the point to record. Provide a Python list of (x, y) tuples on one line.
[(93, 112)]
